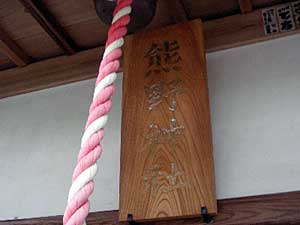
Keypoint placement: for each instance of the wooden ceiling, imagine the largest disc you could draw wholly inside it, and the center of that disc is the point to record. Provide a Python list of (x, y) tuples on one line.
[(81, 26), (37, 30)]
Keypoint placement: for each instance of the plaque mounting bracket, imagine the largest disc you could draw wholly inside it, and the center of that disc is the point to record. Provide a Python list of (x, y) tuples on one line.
[(208, 219), (130, 220), (205, 216)]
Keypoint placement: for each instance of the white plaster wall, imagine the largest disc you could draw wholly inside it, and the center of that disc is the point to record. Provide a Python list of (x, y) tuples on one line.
[(40, 136), (254, 95), (255, 108)]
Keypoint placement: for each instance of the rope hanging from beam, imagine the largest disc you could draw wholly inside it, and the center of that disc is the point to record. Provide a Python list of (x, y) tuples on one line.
[(83, 177)]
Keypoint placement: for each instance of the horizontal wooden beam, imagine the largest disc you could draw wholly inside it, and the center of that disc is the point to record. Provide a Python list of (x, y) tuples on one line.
[(238, 30), (41, 14), (279, 209), (10, 48), (50, 73), (228, 32)]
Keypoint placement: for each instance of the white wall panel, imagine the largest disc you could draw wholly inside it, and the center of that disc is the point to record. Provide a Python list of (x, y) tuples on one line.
[(254, 96)]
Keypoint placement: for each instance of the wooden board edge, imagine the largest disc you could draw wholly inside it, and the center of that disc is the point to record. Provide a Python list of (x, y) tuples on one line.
[(279, 209)]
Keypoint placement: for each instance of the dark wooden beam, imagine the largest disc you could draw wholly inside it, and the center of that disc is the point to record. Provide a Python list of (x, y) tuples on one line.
[(11, 49), (275, 209), (228, 32), (50, 73), (238, 30), (245, 6), (41, 14)]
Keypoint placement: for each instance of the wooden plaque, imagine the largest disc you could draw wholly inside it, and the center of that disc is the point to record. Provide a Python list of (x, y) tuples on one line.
[(166, 149)]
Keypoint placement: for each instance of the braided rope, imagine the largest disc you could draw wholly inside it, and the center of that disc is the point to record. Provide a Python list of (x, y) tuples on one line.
[(82, 183)]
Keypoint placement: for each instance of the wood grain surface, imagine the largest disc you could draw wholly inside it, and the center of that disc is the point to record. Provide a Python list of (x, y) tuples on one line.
[(166, 148), (42, 16), (41, 30), (12, 50), (50, 73), (274, 209), (224, 33)]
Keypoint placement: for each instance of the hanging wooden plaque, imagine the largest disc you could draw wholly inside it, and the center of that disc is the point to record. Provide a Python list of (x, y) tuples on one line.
[(166, 149)]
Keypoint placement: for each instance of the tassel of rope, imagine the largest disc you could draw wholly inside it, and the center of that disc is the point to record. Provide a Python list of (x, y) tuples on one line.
[(82, 182)]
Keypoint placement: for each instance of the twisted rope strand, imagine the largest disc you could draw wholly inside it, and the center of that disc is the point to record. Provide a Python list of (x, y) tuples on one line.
[(83, 177)]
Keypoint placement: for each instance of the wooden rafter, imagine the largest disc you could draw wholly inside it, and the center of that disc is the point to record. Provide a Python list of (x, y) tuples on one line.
[(279, 209), (246, 6), (50, 73), (228, 32), (11, 49), (40, 13)]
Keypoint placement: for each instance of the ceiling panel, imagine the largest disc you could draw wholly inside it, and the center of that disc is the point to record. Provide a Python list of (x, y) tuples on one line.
[(22, 28), (209, 9), (79, 20)]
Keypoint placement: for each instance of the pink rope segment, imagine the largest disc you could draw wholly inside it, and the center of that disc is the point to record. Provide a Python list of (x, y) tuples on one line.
[(83, 177)]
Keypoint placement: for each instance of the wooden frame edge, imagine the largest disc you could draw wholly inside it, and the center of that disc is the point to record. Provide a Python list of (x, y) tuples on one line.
[(271, 209)]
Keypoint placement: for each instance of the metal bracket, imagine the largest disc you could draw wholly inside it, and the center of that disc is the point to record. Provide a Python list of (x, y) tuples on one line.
[(208, 219), (205, 216), (130, 220)]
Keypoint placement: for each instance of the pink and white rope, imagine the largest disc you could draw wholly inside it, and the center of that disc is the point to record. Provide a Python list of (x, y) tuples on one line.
[(82, 183)]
